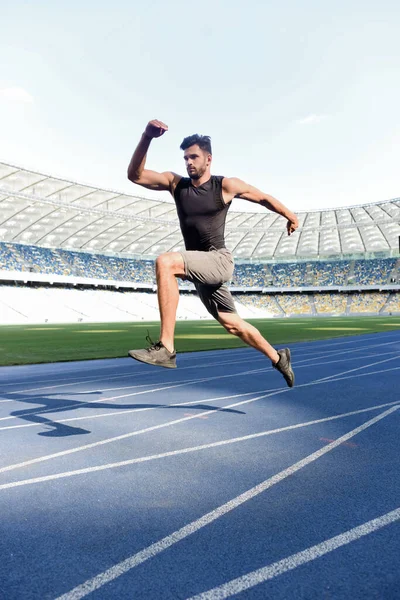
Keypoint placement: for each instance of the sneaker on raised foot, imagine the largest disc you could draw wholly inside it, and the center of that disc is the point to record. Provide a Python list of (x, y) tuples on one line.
[(157, 354), (284, 366)]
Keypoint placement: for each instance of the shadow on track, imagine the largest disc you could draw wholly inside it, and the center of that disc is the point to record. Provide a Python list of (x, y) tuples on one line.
[(50, 404)]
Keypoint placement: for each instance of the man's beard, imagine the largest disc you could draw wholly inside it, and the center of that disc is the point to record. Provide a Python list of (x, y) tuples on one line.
[(196, 174)]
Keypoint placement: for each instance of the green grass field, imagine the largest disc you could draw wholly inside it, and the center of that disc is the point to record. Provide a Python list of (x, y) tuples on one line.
[(26, 344)]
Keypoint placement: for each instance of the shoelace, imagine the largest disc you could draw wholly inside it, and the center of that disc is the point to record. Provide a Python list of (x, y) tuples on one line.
[(153, 345)]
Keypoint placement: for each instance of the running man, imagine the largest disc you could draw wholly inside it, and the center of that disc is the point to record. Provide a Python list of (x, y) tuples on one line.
[(202, 202)]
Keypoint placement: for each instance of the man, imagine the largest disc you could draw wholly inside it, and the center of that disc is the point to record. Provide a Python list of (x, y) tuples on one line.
[(202, 201)]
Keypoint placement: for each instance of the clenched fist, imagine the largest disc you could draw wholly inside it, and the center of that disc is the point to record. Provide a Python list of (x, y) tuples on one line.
[(155, 129), (292, 224)]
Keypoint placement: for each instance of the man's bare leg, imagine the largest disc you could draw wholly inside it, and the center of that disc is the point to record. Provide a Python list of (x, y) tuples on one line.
[(248, 333), (169, 266), (251, 336)]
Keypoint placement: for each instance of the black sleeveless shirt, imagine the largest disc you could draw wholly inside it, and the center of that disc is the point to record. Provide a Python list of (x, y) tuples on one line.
[(202, 213)]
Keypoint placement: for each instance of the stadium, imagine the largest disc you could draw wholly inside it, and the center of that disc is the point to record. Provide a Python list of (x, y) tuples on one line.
[(233, 485), (262, 462), (72, 253)]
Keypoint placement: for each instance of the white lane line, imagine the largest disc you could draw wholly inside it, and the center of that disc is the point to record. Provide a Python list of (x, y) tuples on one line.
[(151, 391), (197, 366), (299, 365), (379, 362), (156, 407), (188, 450), (126, 565), (180, 384), (358, 341), (272, 392), (245, 582), (80, 378), (137, 432), (328, 353), (312, 363), (266, 393), (132, 374), (236, 351), (333, 342)]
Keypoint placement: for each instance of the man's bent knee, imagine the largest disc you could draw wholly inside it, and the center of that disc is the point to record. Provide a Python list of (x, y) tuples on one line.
[(172, 262)]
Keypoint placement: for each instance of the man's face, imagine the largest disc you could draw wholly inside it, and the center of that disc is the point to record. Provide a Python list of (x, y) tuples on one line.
[(197, 161)]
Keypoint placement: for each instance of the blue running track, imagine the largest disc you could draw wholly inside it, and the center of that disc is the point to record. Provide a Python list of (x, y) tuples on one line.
[(119, 480)]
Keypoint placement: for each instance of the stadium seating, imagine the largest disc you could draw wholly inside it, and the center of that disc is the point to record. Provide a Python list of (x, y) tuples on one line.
[(368, 302), (251, 275), (262, 305), (48, 304), (334, 304), (375, 271), (295, 304), (289, 274), (23, 304), (329, 273), (20, 257), (392, 304)]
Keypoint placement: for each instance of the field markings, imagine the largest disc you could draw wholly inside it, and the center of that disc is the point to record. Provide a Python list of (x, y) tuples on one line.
[(158, 547), (170, 453), (80, 405), (165, 386), (249, 580), (134, 373), (166, 424)]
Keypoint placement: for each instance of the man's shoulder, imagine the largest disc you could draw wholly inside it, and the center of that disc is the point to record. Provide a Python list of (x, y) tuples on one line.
[(219, 179), (228, 183), (230, 188), (182, 181), (174, 180)]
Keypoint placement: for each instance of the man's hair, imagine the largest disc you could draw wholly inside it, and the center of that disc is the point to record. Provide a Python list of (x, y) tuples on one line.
[(203, 142)]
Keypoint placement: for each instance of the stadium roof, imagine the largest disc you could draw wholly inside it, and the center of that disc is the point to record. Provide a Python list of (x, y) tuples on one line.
[(47, 211)]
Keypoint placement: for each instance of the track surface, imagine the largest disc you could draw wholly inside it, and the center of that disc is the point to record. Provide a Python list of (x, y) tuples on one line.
[(214, 480)]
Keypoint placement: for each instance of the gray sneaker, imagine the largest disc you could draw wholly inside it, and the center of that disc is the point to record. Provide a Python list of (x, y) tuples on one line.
[(283, 366), (156, 354)]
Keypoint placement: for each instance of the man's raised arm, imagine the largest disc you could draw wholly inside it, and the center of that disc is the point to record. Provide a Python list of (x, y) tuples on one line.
[(236, 188), (144, 177)]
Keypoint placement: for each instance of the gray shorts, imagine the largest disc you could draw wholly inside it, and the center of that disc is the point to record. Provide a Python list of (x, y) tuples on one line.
[(209, 271)]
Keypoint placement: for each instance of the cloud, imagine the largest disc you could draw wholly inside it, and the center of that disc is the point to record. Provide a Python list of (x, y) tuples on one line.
[(312, 119), (15, 95)]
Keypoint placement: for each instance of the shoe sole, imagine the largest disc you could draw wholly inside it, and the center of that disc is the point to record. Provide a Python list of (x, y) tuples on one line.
[(147, 362)]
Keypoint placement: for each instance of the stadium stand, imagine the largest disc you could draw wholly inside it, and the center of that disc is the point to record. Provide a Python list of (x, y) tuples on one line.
[(333, 304), (250, 275), (73, 305), (368, 302), (372, 272), (262, 305), (74, 252), (289, 274), (24, 258), (330, 273), (20, 257), (392, 304), (23, 304), (295, 304)]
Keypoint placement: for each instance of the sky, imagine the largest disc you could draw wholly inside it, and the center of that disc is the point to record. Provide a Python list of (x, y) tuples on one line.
[(300, 97)]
